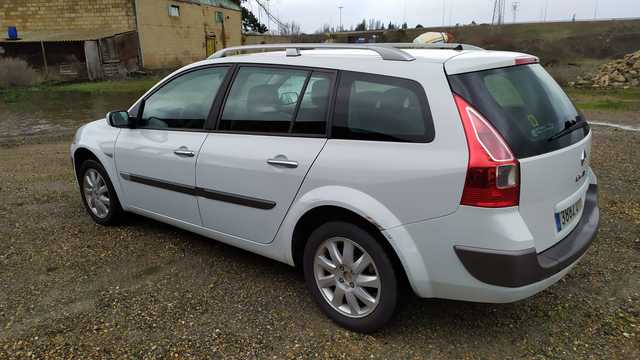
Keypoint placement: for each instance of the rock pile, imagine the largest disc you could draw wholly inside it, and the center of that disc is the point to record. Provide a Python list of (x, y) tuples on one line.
[(622, 73)]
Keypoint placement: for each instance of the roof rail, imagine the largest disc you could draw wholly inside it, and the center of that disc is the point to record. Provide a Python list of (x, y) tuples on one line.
[(386, 52), (449, 46)]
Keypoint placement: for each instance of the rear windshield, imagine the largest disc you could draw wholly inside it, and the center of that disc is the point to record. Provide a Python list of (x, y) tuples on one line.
[(524, 104)]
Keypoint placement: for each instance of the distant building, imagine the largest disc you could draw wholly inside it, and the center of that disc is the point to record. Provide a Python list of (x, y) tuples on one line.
[(102, 38)]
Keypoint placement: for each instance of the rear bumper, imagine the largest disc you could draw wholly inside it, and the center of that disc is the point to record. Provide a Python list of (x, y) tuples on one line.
[(519, 268), (430, 253)]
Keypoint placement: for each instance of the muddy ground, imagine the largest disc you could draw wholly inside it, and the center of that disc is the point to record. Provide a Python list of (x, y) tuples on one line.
[(73, 289)]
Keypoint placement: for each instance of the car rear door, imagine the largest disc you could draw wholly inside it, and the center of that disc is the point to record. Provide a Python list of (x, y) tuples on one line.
[(156, 160), (269, 133)]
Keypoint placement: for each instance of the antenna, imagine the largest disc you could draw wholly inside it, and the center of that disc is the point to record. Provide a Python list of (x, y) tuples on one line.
[(514, 8)]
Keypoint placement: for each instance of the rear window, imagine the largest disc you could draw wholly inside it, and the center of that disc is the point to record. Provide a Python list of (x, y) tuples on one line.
[(381, 108), (524, 104)]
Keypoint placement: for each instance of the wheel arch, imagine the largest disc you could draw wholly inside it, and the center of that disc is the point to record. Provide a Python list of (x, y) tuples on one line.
[(80, 155), (322, 214), (83, 153)]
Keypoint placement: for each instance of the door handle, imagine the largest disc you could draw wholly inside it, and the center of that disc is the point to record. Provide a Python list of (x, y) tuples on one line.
[(282, 161), (184, 151)]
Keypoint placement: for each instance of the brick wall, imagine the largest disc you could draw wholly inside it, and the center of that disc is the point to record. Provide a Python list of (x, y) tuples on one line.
[(169, 41), (67, 15)]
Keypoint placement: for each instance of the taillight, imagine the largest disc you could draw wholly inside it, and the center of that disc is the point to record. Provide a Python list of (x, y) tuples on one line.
[(493, 174), (524, 60)]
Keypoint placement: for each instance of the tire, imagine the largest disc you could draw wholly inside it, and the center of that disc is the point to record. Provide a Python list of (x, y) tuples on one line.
[(93, 171), (335, 289)]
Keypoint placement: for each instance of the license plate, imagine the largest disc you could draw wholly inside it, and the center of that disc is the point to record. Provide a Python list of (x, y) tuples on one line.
[(566, 216)]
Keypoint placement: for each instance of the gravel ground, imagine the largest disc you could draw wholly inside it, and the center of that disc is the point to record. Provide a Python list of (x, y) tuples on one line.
[(70, 288)]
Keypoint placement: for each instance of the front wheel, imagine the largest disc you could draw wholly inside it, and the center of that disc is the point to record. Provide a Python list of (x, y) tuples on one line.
[(98, 194), (350, 276)]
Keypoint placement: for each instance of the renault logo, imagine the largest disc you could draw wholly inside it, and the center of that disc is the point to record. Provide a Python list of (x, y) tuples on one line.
[(583, 158)]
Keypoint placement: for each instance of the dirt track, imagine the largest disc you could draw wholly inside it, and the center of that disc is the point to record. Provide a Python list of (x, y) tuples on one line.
[(69, 288)]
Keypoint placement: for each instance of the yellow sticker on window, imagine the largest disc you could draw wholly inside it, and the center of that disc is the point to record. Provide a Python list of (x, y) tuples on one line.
[(533, 121)]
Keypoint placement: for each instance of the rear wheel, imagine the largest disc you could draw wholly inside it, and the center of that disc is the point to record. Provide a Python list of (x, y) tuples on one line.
[(98, 194), (350, 276)]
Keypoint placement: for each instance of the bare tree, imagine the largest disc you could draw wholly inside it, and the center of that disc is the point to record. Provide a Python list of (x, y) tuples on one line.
[(326, 28), (290, 28)]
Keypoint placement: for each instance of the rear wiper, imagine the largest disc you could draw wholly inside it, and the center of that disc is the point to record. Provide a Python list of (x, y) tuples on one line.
[(569, 127)]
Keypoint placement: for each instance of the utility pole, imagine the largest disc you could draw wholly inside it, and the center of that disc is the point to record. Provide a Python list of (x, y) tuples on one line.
[(443, 11), (404, 12), (268, 17), (514, 7), (546, 9), (340, 11), (499, 9), (595, 10)]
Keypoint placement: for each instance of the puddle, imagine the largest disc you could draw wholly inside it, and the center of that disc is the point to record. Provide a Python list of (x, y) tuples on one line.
[(56, 114)]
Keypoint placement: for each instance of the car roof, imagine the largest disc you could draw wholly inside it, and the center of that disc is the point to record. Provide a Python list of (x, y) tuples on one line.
[(365, 60), (427, 55)]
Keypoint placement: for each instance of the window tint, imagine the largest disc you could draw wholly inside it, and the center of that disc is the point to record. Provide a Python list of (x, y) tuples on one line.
[(382, 108), (184, 102), (263, 100), (312, 114), (524, 104)]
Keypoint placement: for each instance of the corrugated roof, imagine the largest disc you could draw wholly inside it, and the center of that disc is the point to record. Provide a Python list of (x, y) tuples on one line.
[(57, 36)]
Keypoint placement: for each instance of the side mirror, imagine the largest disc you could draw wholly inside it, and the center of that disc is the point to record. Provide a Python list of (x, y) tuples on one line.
[(120, 119)]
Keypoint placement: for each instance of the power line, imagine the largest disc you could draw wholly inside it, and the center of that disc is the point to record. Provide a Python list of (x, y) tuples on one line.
[(270, 15)]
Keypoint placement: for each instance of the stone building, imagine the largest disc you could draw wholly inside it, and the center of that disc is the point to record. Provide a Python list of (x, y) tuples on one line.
[(102, 38)]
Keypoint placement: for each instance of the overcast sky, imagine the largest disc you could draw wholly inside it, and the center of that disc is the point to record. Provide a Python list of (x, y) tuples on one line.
[(311, 14)]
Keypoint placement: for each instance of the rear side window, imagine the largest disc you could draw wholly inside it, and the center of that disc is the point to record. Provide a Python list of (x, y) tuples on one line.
[(524, 104), (312, 114), (263, 100), (381, 108), (277, 100)]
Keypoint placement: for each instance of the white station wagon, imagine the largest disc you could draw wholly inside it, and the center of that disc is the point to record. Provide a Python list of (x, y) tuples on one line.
[(461, 171)]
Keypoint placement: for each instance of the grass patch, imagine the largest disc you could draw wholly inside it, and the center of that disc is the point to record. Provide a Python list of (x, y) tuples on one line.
[(610, 100), (118, 86), (131, 86)]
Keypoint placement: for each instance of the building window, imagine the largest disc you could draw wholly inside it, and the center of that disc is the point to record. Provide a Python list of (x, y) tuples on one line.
[(174, 10), (219, 17)]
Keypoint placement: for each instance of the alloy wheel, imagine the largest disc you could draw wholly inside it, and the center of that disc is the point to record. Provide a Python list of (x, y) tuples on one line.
[(347, 277), (96, 193)]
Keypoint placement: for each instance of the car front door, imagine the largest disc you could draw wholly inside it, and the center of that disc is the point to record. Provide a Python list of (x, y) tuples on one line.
[(156, 160), (269, 133)]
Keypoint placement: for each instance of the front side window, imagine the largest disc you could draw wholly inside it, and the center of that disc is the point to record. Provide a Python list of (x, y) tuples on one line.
[(381, 108), (184, 102), (276, 100)]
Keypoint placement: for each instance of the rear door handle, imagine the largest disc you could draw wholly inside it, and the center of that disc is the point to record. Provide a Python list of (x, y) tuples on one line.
[(282, 161), (184, 151)]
